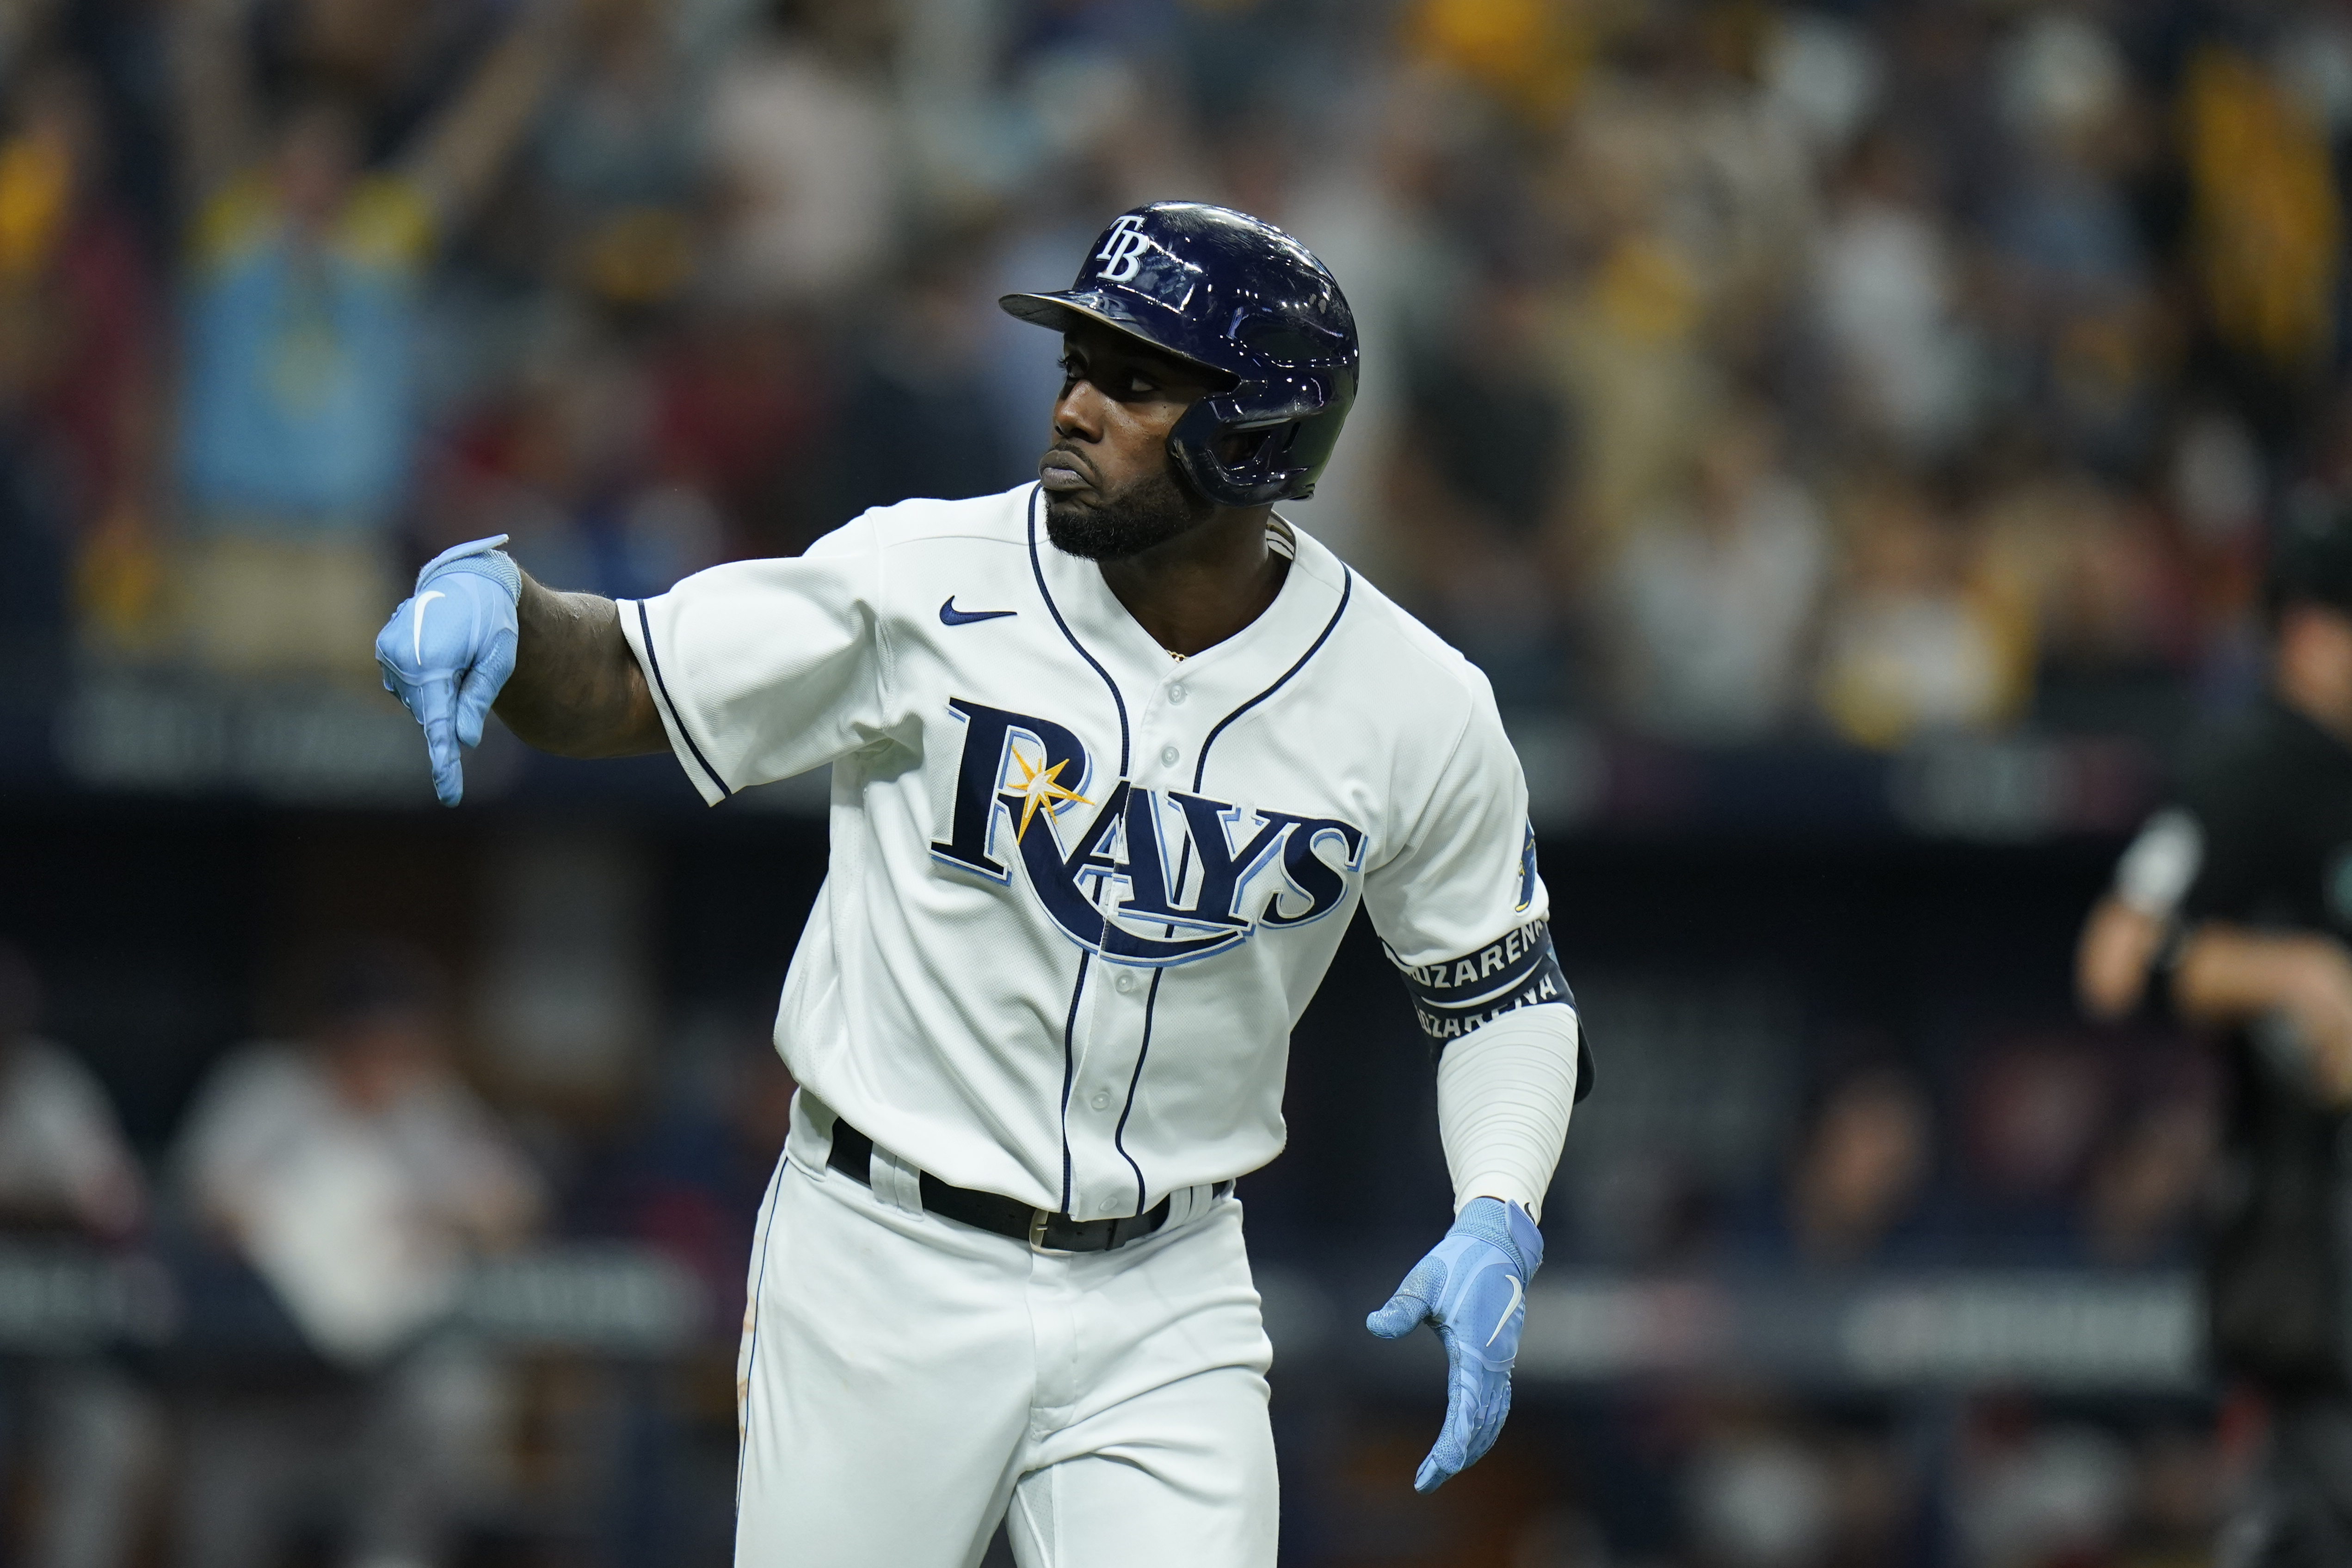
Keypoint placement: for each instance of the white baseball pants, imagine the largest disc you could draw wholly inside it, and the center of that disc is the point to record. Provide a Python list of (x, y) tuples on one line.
[(906, 1382)]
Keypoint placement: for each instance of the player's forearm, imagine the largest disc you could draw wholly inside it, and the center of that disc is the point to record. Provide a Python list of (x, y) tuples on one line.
[(1504, 1096), (576, 690), (2227, 974), (2112, 961)]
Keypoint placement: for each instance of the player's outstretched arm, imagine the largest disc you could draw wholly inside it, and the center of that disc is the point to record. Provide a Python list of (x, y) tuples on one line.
[(577, 690), (476, 631)]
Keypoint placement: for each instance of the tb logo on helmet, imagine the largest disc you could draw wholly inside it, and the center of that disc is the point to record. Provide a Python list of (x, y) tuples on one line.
[(1123, 246)]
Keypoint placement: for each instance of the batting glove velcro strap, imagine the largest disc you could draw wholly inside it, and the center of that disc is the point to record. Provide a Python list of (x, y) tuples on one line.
[(482, 557), (1473, 1290), (449, 648)]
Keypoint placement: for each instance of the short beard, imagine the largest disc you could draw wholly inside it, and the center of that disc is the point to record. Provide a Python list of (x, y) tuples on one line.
[(1145, 515)]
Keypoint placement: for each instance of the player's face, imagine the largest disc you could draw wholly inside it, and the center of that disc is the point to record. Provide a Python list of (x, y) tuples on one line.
[(2314, 662), (1111, 488)]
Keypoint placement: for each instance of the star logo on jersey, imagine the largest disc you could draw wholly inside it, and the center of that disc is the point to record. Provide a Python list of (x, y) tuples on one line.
[(1153, 877), (1037, 788)]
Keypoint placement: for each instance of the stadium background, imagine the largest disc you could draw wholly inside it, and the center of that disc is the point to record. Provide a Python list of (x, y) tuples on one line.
[(1844, 434)]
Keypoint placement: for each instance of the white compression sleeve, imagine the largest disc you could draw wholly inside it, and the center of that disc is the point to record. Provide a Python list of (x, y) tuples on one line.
[(1504, 1096)]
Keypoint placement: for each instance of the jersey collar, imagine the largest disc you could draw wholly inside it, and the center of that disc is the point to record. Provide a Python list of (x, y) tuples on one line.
[(1259, 652)]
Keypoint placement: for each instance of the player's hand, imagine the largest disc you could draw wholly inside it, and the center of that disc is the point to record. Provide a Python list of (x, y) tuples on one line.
[(1473, 1290), (449, 647)]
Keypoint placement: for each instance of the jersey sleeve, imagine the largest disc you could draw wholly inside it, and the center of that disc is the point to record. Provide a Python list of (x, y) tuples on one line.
[(765, 669), (1461, 909)]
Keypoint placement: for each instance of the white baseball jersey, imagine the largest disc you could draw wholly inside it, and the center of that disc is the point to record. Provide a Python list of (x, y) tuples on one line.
[(1080, 889)]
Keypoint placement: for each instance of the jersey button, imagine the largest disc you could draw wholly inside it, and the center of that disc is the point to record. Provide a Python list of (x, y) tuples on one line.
[(1125, 981), (1101, 1101), (1168, 755), (1176, 692)]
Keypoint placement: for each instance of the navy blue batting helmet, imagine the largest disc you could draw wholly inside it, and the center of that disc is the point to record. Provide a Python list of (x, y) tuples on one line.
[(1247, 303)]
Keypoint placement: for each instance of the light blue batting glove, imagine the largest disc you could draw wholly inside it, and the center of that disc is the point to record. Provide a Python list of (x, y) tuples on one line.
[(1473, 1290), (449, 647)]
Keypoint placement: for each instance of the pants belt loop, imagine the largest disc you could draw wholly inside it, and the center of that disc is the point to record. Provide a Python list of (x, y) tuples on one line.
[(897, 1183)]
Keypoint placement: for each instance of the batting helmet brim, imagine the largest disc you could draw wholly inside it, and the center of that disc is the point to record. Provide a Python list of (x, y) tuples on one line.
[(1059, 312)]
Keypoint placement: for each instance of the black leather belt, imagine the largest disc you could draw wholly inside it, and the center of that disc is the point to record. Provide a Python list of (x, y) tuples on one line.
[(853, 1156)]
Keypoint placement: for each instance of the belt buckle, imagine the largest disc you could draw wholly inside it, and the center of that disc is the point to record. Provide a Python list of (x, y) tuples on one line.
[(1038, 1219)]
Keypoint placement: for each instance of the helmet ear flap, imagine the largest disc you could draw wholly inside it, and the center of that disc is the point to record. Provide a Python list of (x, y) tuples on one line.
[(1244, 481)]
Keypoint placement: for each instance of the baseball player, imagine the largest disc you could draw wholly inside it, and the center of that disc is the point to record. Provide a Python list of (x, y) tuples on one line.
[(1115, 757)]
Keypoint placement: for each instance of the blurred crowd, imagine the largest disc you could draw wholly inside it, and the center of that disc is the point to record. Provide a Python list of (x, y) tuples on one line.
[(311, 1226), (2032, 1147), (1733, 370)]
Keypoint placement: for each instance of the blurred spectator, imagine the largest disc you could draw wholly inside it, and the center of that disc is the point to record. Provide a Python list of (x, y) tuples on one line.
[(1887, 291), (1483, 481), (2094, 601), (739, 412), (1855, 1188), (298, 395), (77, 381), (1760, 1499), (914, 417), (1771, 1487), (803, 152), (691, 1184), (2071, 312), (1713, 601), (2031, 1494), (2268, 221), (1912, 644), (612, 160), (2031, 1113), (64, 1165), (355, 1173), (591, 468), (2182, 1479), (66, 1171)]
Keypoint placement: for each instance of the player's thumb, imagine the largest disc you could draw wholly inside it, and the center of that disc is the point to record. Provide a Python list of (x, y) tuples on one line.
[(483, 683), (1403, 1313)]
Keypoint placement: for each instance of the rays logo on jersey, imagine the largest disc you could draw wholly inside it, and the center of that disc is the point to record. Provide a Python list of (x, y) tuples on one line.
[(1020, 777)]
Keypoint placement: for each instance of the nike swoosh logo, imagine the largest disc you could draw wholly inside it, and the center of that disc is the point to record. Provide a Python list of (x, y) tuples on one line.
[(416, 625), (1518, 1294), (950, 616)]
